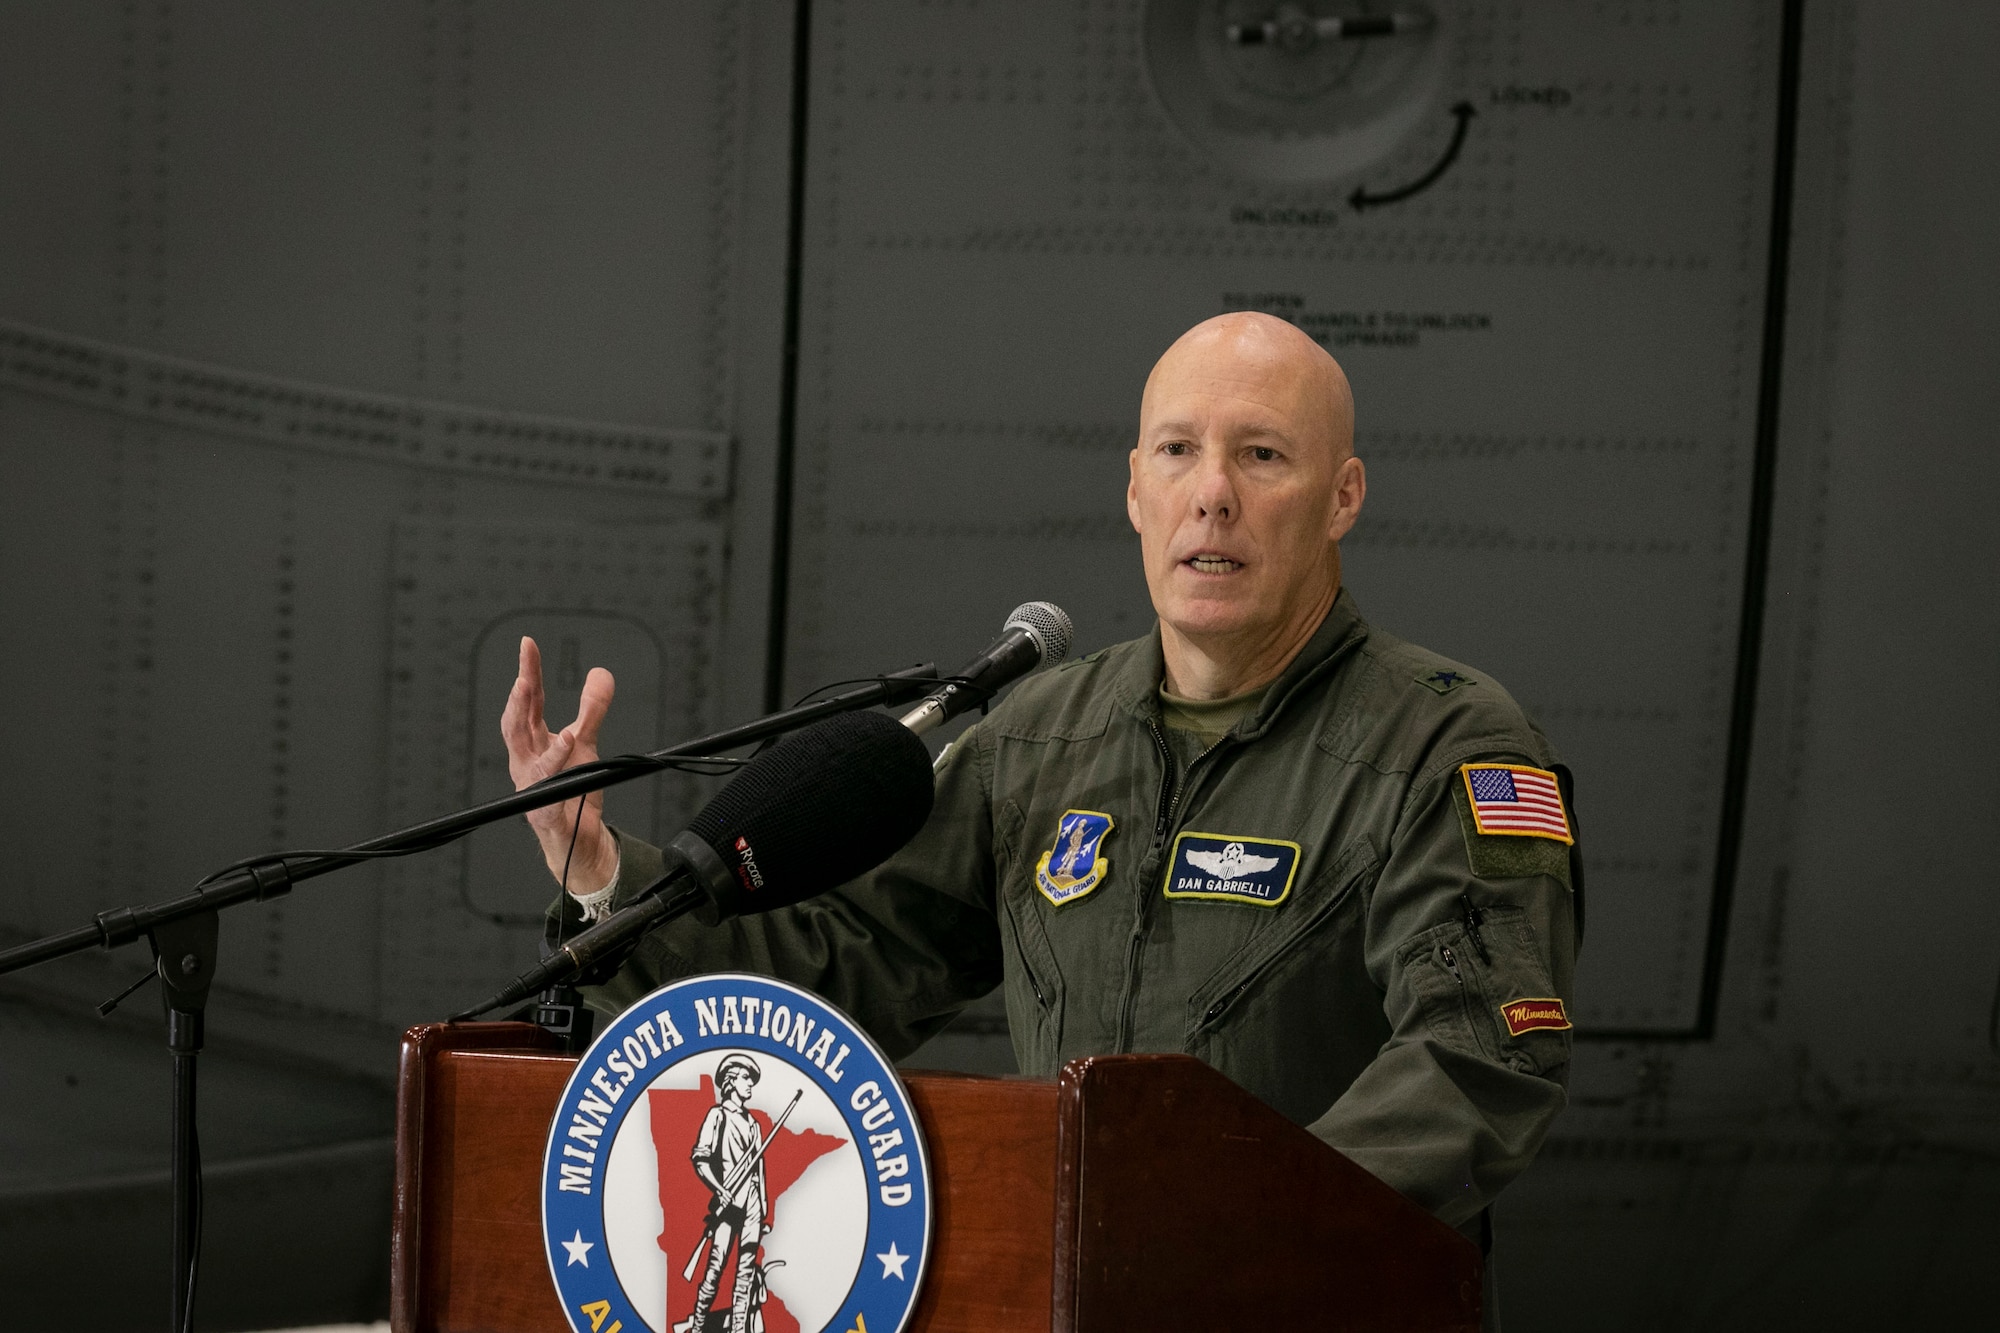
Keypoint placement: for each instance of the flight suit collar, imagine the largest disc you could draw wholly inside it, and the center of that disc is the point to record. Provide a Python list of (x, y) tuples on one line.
[(1138, 683), (1337, 637)]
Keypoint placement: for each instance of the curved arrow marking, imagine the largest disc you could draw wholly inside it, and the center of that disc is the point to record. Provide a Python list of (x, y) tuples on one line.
[(1361, 199)]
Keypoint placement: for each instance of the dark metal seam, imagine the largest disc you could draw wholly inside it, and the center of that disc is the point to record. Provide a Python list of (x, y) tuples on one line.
[(788, 386), (1757, 557)]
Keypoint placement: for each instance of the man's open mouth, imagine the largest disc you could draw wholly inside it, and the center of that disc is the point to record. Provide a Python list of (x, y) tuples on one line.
[(1212, 564)]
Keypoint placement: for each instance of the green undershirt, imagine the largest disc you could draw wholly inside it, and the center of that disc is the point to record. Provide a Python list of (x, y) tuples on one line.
[(1208, 720)]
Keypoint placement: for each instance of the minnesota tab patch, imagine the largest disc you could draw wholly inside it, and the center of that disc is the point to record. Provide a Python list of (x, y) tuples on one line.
[(1076, 864), (1515, 800), (1529, 1015), (1223, 868)]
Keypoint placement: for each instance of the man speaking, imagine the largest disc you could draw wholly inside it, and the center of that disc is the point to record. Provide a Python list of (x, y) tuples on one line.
[(1333, 865)]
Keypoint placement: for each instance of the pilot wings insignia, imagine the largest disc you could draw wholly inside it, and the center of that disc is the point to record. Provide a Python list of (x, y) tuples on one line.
[(1232, 862), (1216, 867)]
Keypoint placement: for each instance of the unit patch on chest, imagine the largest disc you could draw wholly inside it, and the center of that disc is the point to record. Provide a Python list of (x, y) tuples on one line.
[(1221, 867), (1076, 864)]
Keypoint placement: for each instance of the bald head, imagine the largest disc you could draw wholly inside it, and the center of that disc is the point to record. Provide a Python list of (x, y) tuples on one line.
[(1262, 349), (1244, 481)]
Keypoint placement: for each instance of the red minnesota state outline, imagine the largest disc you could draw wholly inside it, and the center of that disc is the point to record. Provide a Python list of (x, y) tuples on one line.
[(677, 1114)]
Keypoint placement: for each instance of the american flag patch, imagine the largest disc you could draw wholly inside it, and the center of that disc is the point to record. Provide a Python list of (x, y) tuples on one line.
[(1514, 799)]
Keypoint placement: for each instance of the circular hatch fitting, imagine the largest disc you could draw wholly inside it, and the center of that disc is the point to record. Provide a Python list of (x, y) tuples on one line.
[(1298, 91)]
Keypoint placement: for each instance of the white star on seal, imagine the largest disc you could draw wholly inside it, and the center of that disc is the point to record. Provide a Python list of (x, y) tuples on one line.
[(892, 1262), (579, 1250)]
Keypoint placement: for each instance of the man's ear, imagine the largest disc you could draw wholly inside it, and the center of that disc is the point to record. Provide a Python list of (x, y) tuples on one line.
[(1350, 488), (1132, 489)]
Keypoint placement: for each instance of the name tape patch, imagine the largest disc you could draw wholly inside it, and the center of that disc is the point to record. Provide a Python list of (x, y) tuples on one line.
[(1530, 1015), (1222, 867), (1076, 864), (1514, 800)]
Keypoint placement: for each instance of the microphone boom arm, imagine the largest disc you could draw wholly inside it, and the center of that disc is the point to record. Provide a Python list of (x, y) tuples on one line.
[(270, 878)]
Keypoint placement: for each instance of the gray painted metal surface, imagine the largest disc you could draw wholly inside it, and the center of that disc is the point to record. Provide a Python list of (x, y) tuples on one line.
[(1551, 503), (340, 344)]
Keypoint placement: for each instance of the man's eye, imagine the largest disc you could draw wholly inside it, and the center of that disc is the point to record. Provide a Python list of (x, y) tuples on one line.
[(1263, 455), (1175, 448)]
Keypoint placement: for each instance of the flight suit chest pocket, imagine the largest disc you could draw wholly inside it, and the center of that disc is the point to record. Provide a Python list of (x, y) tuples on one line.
[(1482, 987)]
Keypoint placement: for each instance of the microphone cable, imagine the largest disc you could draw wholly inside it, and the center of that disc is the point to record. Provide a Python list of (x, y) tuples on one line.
[(637, 765)]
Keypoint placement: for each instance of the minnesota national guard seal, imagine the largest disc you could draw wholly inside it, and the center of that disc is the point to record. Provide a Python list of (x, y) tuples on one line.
[(733, 1155)]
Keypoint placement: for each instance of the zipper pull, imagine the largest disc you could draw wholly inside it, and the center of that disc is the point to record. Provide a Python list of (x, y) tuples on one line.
[(1164, 812), (1451, 962), (1474, 918), (1215, 1010)]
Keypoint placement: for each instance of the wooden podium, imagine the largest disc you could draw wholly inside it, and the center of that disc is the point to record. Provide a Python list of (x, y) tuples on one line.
[(1136, 1192)]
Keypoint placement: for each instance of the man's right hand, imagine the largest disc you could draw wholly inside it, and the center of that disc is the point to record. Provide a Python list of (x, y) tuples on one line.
[(535, 753)]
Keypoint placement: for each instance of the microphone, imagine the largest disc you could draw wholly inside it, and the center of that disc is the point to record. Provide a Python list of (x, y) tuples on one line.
[(1036, 635), (823, 805)]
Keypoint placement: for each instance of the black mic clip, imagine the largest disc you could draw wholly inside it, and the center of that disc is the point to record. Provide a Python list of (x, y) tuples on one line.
[(1036, 635), (561, 1012), (593, 954)]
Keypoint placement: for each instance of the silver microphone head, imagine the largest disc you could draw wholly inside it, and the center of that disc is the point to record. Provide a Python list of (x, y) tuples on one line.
[(1048, 624)]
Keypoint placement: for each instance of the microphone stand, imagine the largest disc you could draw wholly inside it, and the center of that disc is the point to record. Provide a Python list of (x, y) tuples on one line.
[(183, 931)]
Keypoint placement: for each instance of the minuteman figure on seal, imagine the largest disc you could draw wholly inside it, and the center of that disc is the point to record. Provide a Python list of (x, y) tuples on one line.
[(729, 1157)]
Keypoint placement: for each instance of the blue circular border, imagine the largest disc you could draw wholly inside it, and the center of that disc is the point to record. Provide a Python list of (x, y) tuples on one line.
[(568, 1211)]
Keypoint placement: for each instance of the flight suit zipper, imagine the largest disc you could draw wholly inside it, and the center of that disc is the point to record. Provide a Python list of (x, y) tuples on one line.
[(1026, 971), (1214, 1011), (1466, 1004), (1171, 791), (1169, 798), (1304, 930)]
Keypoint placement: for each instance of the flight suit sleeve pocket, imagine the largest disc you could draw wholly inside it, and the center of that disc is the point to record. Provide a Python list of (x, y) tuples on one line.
[(1529, 1021), (1431, 973), (1488, 996)]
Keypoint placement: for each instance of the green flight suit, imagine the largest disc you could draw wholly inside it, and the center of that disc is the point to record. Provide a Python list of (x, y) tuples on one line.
[(1365, 1003)]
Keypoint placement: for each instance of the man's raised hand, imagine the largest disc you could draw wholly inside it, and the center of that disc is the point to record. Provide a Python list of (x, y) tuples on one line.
[(535, 753)]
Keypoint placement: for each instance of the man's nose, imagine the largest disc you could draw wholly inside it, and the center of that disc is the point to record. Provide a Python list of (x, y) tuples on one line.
[(1215, 490)]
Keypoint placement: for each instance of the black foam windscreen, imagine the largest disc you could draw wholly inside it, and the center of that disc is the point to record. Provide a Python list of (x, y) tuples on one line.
[(823, 805)]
